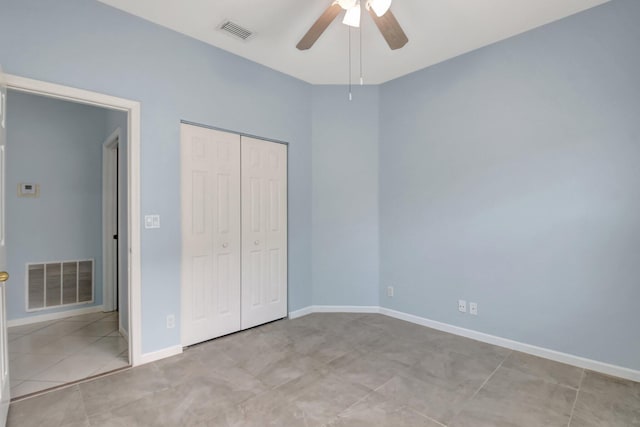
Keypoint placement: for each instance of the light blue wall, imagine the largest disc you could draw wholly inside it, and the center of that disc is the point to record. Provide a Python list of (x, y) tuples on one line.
[(509, 176), (58, 145), (89, 45), (117, 120), (345, 196), (506, 176)]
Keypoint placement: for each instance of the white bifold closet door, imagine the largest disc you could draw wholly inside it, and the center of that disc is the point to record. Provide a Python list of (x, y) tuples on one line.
[(234, 233), (264, 231), (210, 234)]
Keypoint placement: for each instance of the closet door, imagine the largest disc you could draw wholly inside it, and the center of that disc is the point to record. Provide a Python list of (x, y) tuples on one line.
[(210, 233), (264, 231)]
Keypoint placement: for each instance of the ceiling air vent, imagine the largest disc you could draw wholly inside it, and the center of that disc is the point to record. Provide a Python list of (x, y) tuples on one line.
[(235, 30)]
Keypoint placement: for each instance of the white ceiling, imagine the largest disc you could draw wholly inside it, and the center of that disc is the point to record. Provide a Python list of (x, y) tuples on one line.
[(437, 30)]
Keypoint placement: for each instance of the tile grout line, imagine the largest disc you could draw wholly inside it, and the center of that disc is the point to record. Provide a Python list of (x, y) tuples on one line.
[(408, 407), (371, 392), (491, 375), (65, 356), (459, 410), (575, 401), (365, 396), (427, 417), (84, 405)]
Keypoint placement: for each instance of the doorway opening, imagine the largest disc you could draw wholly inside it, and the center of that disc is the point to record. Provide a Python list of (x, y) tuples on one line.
[(99, 315)]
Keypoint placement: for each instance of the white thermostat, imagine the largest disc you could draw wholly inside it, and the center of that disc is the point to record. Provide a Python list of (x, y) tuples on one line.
[(27, 189)]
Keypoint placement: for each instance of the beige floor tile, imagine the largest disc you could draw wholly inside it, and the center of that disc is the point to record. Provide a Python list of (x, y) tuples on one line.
[(377, 411), (73, 368), (90, 317), (30, 343), (58, 408), (109, 317), (105, 346), (544, 368), (11, 337), (367, 369), (97, 329), (51, 352), (113, 391), (511, 398), (68, 345), (112, 365), (28, 366), (605, 401), (30, 386), (435, 397), (59, 329), (27, 329), (317, 371), (323, 400)]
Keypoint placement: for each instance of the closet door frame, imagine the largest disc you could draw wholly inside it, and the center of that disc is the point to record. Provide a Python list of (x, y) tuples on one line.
[(286, 144)]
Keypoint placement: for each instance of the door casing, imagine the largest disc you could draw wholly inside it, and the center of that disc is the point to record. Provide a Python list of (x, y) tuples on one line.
[(132, 108)]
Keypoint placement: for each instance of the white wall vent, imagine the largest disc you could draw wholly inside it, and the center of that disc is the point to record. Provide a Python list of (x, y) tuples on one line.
[(235, 30), (55, 284)]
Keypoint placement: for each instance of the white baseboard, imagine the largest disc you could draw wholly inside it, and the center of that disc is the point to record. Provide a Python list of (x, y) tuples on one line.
[(569, 359), (160, 354), (301, 312), (334, 309), (345, 309), (124, 333), (54, 316)]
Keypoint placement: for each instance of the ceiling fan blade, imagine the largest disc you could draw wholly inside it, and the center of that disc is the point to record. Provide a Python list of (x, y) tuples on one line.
[(319, 26), (390, 29)]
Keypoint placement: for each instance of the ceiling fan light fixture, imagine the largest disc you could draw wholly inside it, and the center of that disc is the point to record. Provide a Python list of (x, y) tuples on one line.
[(347, 4), (352, 17), (380, 7)]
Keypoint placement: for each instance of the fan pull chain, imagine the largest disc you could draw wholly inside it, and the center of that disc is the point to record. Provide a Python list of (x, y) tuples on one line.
[(350, 94), (360, 33)]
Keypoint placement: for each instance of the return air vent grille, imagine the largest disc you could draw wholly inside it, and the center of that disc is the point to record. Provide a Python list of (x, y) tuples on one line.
[(235, 30), (56, 284)]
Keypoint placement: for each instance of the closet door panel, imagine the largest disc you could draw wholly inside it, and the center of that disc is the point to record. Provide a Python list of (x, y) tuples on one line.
[(211, 254), (264, 231)]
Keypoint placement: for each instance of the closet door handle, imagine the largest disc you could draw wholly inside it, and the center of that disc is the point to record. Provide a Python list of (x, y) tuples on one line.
[(257, 242), (225, 245)]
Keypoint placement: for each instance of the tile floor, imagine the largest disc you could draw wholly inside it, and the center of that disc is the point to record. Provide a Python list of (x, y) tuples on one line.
[(47, 354), (341, 370)]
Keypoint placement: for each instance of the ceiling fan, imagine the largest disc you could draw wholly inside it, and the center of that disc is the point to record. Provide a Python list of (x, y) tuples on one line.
[(379, 11)]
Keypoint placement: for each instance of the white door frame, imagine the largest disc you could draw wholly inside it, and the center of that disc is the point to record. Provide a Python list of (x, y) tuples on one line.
[(110, 221), (132, 108), (5, 381)]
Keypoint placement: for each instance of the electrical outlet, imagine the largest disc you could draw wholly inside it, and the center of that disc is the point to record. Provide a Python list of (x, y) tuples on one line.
[(171, 321), (462, 306), (390, 291), (473, 308)]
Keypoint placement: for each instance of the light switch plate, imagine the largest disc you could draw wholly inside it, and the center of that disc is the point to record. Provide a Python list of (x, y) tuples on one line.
[(152, 221), (28, 189)]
